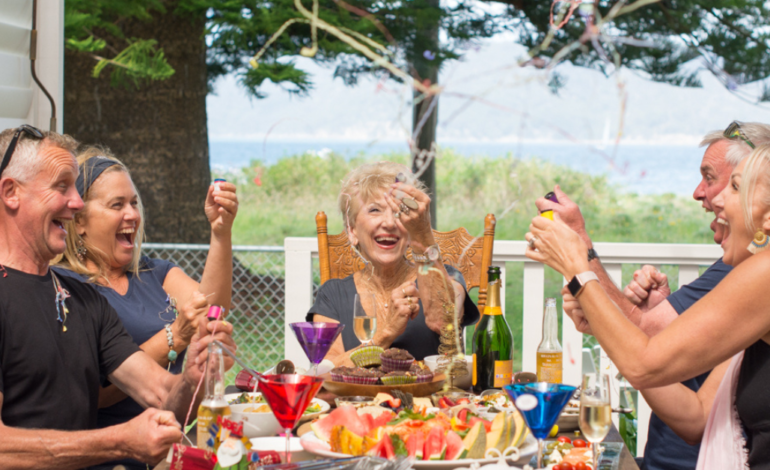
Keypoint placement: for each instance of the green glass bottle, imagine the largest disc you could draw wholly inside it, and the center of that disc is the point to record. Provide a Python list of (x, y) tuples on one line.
[(492, 342)]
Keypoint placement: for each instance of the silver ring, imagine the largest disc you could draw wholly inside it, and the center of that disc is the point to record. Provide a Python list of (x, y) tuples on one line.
[(397, 214), (531, 242), (402, 207), (410, 203)]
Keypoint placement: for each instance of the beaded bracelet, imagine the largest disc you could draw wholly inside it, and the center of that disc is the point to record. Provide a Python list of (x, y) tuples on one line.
[(172, 355)]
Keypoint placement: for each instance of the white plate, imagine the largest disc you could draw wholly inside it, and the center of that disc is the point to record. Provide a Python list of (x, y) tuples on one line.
[(278, 444), (311, 443), (324, 406)]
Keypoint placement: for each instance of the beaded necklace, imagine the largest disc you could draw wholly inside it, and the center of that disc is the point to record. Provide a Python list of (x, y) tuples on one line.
[(61, 295)]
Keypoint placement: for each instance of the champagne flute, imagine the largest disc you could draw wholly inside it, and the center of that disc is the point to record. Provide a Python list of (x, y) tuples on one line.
[(595, 411), (364, 325)]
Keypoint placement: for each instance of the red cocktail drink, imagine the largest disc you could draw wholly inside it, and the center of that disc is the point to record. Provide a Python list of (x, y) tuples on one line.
[(289, 396)]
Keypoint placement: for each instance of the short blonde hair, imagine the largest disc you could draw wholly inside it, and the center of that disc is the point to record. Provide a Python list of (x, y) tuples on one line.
[(757, 168), (361, 185), (70, 258), (737, 150)]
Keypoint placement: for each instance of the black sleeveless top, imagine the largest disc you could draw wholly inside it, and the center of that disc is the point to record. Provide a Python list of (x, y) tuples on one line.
[(752, 399)]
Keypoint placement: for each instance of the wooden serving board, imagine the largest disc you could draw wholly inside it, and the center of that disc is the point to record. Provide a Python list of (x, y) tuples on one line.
[(417, 390)]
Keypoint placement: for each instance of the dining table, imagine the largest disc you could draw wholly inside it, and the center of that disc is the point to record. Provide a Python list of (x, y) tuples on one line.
[(626, 461)]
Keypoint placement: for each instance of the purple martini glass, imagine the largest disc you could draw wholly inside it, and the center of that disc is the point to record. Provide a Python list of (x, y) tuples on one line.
[(316, 338)]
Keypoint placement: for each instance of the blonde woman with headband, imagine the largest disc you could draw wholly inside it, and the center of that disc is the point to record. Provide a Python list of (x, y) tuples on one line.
[(159, 305), (383, 218), (728, 329)]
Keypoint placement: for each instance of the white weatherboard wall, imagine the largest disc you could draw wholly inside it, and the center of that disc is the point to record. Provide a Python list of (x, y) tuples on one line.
[(21, 100)]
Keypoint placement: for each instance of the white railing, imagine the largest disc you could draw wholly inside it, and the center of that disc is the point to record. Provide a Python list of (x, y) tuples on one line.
[(299, 297)]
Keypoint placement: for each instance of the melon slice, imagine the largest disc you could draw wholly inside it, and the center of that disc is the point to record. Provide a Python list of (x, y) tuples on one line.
[(435, 445), (496, 437), (342, 416), (475, 443), (520, 429), (454, 445)]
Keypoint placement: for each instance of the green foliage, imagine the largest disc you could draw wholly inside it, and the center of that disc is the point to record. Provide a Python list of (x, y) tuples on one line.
[(95, 25), (731, 36), (296, 187), (141, 60)]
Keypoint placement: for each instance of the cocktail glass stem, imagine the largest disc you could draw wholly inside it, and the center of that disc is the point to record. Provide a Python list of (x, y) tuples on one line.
[(540, 453), (594, 446), (315, 369), (288, 443)]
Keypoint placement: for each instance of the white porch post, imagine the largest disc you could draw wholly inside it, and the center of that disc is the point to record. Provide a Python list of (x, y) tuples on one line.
[(299, 291)]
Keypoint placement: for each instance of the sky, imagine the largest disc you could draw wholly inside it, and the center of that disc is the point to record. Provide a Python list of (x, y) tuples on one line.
[(486, 98)]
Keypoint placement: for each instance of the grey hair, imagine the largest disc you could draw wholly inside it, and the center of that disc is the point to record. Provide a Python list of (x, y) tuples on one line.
[(26, 162), (737, 149)]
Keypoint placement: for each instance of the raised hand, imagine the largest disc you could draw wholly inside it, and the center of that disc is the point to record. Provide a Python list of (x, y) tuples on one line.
[(186, 323), (221, 207), (568, 210), (402, 307), (553, 243), (416, 222), (148, 437), (572, 308), (648, 288)]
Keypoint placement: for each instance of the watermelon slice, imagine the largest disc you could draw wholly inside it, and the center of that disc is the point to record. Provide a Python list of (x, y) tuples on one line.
[(415, 443), (462, 415), (383, 419), (384, 449), (454, 445), (343, 416), (435, 445), (487, 424)]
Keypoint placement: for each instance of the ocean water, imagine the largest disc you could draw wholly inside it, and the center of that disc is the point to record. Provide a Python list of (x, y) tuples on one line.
[(644, 169)]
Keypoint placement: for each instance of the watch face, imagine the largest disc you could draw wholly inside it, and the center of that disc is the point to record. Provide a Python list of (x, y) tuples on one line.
[(574, 286), (433, 253)]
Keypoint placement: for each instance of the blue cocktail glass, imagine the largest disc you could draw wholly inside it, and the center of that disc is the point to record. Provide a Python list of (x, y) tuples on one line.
[(316, 338), (540, 404)]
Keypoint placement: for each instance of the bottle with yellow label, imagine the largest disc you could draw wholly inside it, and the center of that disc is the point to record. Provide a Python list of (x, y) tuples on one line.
[(549, 352), (214, 403), (492, 342)]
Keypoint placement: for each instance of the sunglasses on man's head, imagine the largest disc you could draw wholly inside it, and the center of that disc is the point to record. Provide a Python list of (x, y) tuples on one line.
[(31, 131), (734, 131)]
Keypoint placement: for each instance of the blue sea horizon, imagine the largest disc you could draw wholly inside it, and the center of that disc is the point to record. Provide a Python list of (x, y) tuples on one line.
[(638, 168)]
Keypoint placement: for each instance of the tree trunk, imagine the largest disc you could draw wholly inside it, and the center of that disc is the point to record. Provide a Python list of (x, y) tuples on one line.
[(426, 137), (158, 130)]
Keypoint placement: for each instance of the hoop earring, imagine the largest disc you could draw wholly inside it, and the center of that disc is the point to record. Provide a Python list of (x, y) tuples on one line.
[(759, 243), (81, 250)]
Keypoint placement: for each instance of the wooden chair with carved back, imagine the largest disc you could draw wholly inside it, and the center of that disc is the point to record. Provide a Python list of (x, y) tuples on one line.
[(469, 255)]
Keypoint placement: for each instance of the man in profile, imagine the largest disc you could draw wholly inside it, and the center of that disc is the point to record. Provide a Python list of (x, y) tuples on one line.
[(59, 338), (648, 301)]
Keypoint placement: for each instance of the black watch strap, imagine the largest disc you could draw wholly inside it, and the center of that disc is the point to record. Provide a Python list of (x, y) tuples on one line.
[(592, 255)]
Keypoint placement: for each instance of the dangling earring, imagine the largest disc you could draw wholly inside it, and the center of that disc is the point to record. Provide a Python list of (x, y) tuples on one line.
[(759, 243), (81, 250)]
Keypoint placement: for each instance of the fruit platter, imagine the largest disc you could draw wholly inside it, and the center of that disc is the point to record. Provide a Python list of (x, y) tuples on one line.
[(400, 425)]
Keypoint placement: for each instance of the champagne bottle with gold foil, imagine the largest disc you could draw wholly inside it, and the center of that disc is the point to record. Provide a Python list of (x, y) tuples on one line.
[(549, 352), (492, 342), (214, 403)]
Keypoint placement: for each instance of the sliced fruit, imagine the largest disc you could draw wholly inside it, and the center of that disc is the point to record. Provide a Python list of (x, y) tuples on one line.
[(369, 443), (346, 442), (435, 445), (462, 415), (519, 429), (475, 443), (476, 419), (415, 444), (394, 403), (342, 416), (459, 425), (454, 446), (382, 398), (496, 437), (384, 448)]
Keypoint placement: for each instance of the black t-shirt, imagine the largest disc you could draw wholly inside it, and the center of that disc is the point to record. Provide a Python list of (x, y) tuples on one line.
[(50, 378), (335, 300), (752, 400), (665, 450)]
